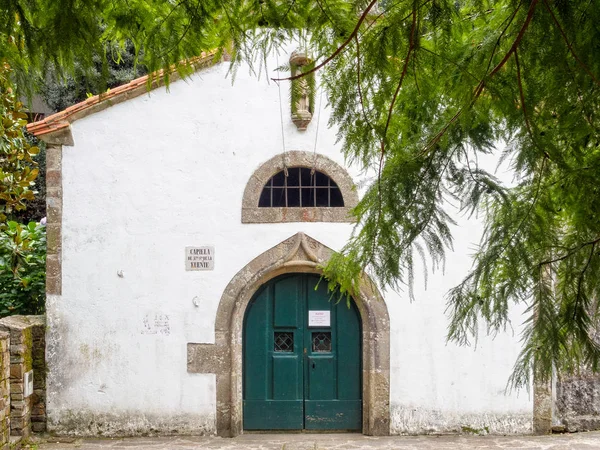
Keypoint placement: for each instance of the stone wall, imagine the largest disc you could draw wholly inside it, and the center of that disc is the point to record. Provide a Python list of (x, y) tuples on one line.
[(26, 353), (578, 402), (4, 391), (38, 400)]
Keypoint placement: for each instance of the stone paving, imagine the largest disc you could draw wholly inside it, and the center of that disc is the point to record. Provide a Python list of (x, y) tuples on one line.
[(576, 441)]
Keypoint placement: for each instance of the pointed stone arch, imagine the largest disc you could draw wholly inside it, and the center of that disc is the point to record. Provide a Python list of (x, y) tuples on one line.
[(298, 254)]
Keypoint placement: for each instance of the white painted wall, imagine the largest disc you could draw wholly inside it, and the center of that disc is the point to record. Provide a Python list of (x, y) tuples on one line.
[(150, 176)]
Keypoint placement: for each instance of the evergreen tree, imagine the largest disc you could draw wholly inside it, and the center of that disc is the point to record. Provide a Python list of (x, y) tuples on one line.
[(60, 90), (419, 89)]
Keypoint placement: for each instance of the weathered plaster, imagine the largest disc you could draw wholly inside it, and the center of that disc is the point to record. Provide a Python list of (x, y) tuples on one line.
[(56, 130), (299, 253), (251, 213), (83, 422), (417, 420)]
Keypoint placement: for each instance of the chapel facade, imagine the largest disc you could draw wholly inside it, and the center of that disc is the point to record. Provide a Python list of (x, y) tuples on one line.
[(186, 234)]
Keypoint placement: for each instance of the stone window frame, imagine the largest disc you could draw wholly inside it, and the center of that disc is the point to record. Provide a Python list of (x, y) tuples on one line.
[(252, 213)]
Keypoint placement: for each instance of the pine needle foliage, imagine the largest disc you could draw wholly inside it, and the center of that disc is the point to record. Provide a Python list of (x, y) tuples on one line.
[(419, 90), (75, 35)]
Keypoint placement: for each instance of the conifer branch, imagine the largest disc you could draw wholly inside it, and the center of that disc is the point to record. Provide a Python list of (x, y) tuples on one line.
[(337, 51), (587, 114), (469, 169), (414, 61), (233, 23), (570, 252), (186, 29), (580, 281), (524, 107), (425, 222), (454, 63), (518, 39), (531, 206), (478, 89), (181, 37), (562, 32), (411, 45), (373, 21), (358, 84), (164, 19), (292, 3), (454, 118), (326, 15), (522, 94)]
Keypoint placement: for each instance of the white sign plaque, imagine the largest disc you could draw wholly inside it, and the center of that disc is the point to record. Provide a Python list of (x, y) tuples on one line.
[(28, 383), (319, 319), (200, 258)]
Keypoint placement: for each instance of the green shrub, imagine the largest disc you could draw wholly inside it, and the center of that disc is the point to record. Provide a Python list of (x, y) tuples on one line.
[(18, 170), (22, 268)]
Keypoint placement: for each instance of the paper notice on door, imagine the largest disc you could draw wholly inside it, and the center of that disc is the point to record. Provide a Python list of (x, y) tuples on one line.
[(319, 318)]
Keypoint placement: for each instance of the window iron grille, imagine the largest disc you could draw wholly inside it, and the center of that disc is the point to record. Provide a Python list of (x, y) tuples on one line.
[(321, 342), (284, 342), (300, 188)]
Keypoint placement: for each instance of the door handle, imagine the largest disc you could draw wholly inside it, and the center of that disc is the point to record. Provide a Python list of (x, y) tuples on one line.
[(313, 365)]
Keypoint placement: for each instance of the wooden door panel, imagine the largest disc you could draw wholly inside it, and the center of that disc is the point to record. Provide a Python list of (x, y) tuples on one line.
[(296, 376), (288, 303), (333, 415), (348, 348), (257, 337), (273, 359), (322, 378), (287, 378), (273, 414)]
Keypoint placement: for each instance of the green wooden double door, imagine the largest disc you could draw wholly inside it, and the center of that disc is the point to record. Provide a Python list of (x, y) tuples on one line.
[(302, 358)]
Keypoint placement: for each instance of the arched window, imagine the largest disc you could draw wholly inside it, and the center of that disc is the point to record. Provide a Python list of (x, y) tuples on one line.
[(302, 187), (316, 189)]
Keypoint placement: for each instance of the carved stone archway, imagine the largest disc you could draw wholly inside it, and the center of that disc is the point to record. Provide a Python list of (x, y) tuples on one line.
[(298, 254)]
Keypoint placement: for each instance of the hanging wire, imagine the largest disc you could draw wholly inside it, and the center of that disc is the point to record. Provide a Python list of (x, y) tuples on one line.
[(312, 171), (284, 156)]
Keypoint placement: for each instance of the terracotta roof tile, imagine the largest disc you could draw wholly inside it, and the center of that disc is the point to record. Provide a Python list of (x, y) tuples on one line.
[(63, 119)]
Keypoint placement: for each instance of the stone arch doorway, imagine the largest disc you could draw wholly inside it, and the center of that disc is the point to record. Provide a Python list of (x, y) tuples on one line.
[(298, 254)]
